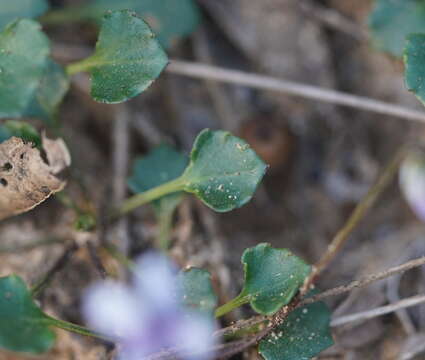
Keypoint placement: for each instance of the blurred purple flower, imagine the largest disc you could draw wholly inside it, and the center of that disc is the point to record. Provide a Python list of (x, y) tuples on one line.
[(147, 318), (412, 182)]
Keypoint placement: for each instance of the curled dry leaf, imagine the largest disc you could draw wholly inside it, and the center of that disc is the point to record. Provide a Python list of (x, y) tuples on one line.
[(26, 179)]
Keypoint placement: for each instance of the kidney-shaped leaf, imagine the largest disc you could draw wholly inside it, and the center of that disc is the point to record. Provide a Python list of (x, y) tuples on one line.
[(23, 326), (414, 60), (304, 334), (272, 277), (392, 20), (128, 58), (196, 290), (12, 9), (24, 50), (223, 170)]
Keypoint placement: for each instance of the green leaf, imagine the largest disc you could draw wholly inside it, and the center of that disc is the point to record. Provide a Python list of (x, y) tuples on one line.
[(196, 290), (24, 50), (392, 20), (272, 278), (304, 334), (223, 171), (12, 9), (52, 87), (414, 61), (128, 58), (23, 326), (161, 165), (19, 129)]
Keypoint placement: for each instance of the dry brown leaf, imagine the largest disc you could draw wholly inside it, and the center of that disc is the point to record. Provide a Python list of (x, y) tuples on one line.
[(26, 179)]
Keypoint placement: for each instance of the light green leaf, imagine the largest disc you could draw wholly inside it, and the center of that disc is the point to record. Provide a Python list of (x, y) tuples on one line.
[(19, 129), (392, 20), (24, 50), (414, 61), (128, 58), (12, 9), (23, 326), (52, 87), (196, 290), (161, 165), (223, 170), (272, 278), (304, 334)]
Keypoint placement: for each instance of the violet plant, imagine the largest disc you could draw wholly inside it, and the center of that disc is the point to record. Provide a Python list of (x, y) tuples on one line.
[(164, 312)]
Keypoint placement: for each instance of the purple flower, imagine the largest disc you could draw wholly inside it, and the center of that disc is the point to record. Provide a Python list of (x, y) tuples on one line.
[(412, 182), (147, 317)]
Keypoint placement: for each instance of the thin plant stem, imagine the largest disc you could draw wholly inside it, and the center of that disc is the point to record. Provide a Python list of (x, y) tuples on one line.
[(165, 225), (203, 71), (77, 329), (230, 305), (63, 16), (119, 256), (79, 66), (146, 197), (356, 216), (379, 311)]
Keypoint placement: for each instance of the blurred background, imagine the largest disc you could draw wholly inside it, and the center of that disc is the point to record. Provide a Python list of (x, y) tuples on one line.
[(322, 157)]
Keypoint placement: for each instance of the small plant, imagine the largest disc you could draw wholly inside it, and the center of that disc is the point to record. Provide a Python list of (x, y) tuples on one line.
[(166, 312)]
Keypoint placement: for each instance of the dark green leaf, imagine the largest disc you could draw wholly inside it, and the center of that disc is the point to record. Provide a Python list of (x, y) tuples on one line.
[(414, 61), (161, 165), (272, 277), (12, 9), (304, 334), (24, 51), (52, 87), (392, 20), (223, 171), (19, 129), (196, 290), (128, 58), (23, 326)]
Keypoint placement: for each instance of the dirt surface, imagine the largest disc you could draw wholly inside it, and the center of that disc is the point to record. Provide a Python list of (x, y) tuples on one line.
[(323, 160)]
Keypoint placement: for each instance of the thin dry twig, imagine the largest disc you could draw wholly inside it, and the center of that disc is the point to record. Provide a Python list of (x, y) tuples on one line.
[(379, 311), (202, 71)]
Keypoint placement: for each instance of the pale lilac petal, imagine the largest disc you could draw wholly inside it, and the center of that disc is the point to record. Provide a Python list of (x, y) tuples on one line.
[(113, 309), (195, 335), (412, 182), (155, 279)]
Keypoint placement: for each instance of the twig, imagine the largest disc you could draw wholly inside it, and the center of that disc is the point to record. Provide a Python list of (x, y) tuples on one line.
[(57, 266), (202, 71), (365, 281), (97, 262), (382, 310), (356, 216), (27, 247)]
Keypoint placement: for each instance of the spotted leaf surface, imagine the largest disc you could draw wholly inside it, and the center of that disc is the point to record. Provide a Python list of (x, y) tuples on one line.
[(304, 334), (272, 277), (414, 61), (223, 170), (128, 58)]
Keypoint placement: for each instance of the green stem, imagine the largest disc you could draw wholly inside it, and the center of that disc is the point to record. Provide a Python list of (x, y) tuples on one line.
[(77, 329), (79, 66), (231, 305), (165, 222), (146, 197)]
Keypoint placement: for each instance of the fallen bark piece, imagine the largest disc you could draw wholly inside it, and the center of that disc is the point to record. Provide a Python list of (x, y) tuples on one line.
[(26, 180)]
